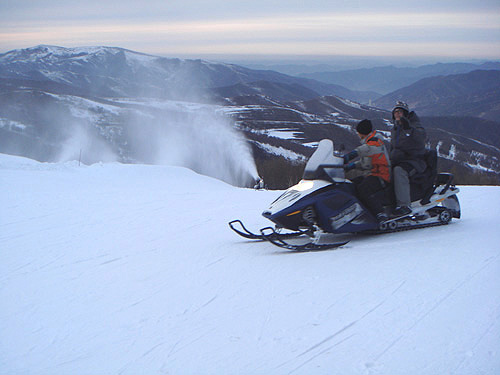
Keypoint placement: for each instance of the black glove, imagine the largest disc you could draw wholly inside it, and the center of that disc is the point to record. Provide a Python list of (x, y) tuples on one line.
[(405, 124), (351, 155), (349, 166)]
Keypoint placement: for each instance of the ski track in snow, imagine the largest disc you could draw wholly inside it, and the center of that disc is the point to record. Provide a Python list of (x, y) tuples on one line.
[(434, 307), (116, 269)]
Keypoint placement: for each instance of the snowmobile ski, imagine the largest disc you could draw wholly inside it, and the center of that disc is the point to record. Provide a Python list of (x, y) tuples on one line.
[(277, 239), (244, 232)]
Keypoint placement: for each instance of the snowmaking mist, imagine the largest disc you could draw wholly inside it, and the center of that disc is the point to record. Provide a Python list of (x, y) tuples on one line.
[(200, 140), (151, 131), (84, 144), (182, 134)]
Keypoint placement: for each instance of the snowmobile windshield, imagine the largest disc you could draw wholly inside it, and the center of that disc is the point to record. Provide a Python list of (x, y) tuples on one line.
[(324, 165)]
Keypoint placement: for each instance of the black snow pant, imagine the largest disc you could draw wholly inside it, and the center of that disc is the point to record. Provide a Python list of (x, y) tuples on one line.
[(371, 192)]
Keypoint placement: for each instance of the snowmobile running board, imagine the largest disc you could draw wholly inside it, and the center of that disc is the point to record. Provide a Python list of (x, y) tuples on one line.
[(405, 227)]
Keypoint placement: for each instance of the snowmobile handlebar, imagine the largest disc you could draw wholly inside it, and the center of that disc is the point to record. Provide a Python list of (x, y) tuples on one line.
[(323, 166)]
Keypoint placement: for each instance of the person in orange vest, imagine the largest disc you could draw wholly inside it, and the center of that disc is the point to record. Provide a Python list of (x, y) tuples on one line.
[(371, 172)]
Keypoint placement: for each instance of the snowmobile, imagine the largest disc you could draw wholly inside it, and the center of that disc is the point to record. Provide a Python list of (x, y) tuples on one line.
[(325, 202)]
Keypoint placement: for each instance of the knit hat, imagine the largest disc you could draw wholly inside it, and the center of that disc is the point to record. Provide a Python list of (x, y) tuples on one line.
[(364, 127), (401, 105)]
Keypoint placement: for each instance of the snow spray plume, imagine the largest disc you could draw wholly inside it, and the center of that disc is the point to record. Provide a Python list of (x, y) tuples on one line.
[(58, 129), (191, 135), (200, 140), (84, 144), (208, 144)]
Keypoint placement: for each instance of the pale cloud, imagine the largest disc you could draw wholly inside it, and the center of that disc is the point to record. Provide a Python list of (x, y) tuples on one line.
[(394, 33), (387, 49)]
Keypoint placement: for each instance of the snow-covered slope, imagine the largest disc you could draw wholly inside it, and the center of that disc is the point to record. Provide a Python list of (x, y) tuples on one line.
[(128, 269)]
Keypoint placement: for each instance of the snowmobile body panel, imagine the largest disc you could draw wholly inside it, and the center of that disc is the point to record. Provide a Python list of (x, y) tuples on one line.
[(324, 198), (446, 198), (331, 206), (452, 204), (295, 193)]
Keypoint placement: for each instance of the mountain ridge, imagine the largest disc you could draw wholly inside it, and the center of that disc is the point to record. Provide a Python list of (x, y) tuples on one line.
[(191, 78), (281, 119), (476, 93), (386, 79)]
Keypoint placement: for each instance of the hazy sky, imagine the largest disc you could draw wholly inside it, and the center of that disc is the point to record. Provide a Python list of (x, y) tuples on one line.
[(461, 29)]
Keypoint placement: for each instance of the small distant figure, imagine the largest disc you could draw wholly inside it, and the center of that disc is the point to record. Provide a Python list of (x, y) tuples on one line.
[(259, 184)]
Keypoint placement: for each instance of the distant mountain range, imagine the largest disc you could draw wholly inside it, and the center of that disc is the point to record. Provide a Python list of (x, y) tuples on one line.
[(386, 79), (101, 103), (471, 94), (105, 71)]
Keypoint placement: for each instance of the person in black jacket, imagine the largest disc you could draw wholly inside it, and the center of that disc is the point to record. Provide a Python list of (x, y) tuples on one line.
[(407, 153)]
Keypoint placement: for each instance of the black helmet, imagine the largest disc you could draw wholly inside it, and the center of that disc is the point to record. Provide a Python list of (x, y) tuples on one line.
[(403, 106), (364, 127)]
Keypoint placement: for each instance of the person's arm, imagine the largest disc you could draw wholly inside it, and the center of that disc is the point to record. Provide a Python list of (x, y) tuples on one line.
[(350, 156)]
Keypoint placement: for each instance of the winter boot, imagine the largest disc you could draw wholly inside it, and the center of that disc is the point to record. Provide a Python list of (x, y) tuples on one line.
[(382, 216), (401, 211)]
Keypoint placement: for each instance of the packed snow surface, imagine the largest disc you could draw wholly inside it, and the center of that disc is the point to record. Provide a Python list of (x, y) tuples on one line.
[(132, 269)]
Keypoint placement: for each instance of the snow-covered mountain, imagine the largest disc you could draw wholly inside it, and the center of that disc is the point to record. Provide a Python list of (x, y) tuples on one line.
[(111, 71), (100, 103), (111, 104), (127, 269)]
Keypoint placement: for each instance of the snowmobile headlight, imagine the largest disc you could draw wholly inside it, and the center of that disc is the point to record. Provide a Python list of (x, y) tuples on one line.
[(304, 185)]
